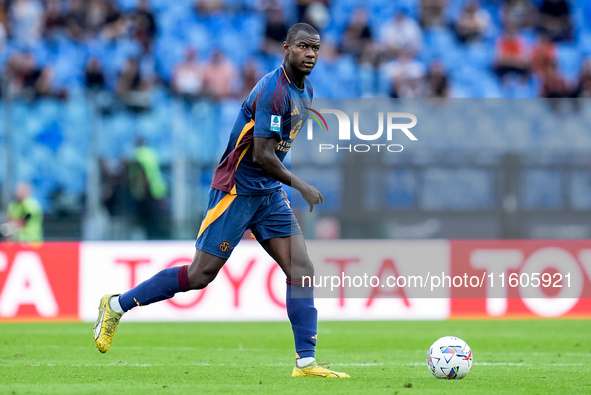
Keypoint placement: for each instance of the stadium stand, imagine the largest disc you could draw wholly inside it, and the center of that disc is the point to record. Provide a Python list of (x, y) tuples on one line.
[(55, 113)]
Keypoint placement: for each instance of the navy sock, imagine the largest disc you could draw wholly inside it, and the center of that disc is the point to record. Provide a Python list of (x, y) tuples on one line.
[(304, 319), (162, 286)]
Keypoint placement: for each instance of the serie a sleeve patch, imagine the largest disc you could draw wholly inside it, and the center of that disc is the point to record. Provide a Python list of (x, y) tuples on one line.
[(276, 123)]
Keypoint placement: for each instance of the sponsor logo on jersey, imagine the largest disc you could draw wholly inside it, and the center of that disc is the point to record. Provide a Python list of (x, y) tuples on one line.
[(296, 129)]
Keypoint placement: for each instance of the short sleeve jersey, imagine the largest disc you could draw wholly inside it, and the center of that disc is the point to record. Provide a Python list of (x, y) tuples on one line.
[(275, 108)]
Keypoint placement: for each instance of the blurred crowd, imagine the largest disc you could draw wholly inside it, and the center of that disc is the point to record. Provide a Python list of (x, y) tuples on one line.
[(131, 56), (33, 33)]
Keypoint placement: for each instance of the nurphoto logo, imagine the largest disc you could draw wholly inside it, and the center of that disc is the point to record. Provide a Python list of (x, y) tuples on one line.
[(391, 123)]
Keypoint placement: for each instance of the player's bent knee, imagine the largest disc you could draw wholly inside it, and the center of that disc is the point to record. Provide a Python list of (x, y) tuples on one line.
[(301, 268), (199, 279), (204, 269), (200, 282)]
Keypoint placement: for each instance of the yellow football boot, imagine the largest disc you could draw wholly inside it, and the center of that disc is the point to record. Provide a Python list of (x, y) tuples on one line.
[(317, 370), (105, 325)]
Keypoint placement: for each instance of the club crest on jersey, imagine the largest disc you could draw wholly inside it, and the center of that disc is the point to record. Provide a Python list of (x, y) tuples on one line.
[(276, 123), (224, 246)]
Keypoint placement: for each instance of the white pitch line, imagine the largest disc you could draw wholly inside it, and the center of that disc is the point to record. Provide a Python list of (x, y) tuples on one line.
[(280, 364), (525, 364), (504, 364), (78, 365), (586, 354)]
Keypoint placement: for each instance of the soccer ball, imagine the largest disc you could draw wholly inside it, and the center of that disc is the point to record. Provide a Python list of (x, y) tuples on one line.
[(449, 358)]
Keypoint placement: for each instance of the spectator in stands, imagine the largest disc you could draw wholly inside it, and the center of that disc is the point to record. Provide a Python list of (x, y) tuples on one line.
[(26, 79), (555, 20), (511, 53), (54, 20), (3, 27), (94, 78), (44, 85), (432, 13), (437, 80), (114, 22), (314, 12), (522, 12), (250, 76), (583, 84), (75, 19), (4, 18), (132, 88), (96, 17), (220, 76), (26, 21), (543, 54), (25, 216), (144, 25), (406, 75), (112, 187), (554, 86), (401, 32), (473, 22), (148, 189), (357, 39), (187, 77), (206, 7), (263, 6), (3, 36), (275, 33)]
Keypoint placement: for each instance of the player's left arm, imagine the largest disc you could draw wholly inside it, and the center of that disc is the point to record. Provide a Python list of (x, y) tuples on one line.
[(265, 157)]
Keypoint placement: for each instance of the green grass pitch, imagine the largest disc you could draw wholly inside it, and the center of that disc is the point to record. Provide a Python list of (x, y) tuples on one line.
[(523, 356)]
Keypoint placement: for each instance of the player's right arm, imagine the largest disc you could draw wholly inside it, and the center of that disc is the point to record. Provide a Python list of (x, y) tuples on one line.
[(271, 106), (264, 156)]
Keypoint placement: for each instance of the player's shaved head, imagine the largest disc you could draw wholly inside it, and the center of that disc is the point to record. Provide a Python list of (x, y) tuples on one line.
[(300, 27)]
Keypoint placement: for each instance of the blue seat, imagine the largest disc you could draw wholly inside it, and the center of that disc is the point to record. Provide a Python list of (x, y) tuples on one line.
[(160, 7), (169, 53), (480, 54), (126, 5), (569, 59), (72, 169), (472, 189), (401, 187), (580, 190), (236, 47), (347, 5), (332, 188), (542, 190)]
